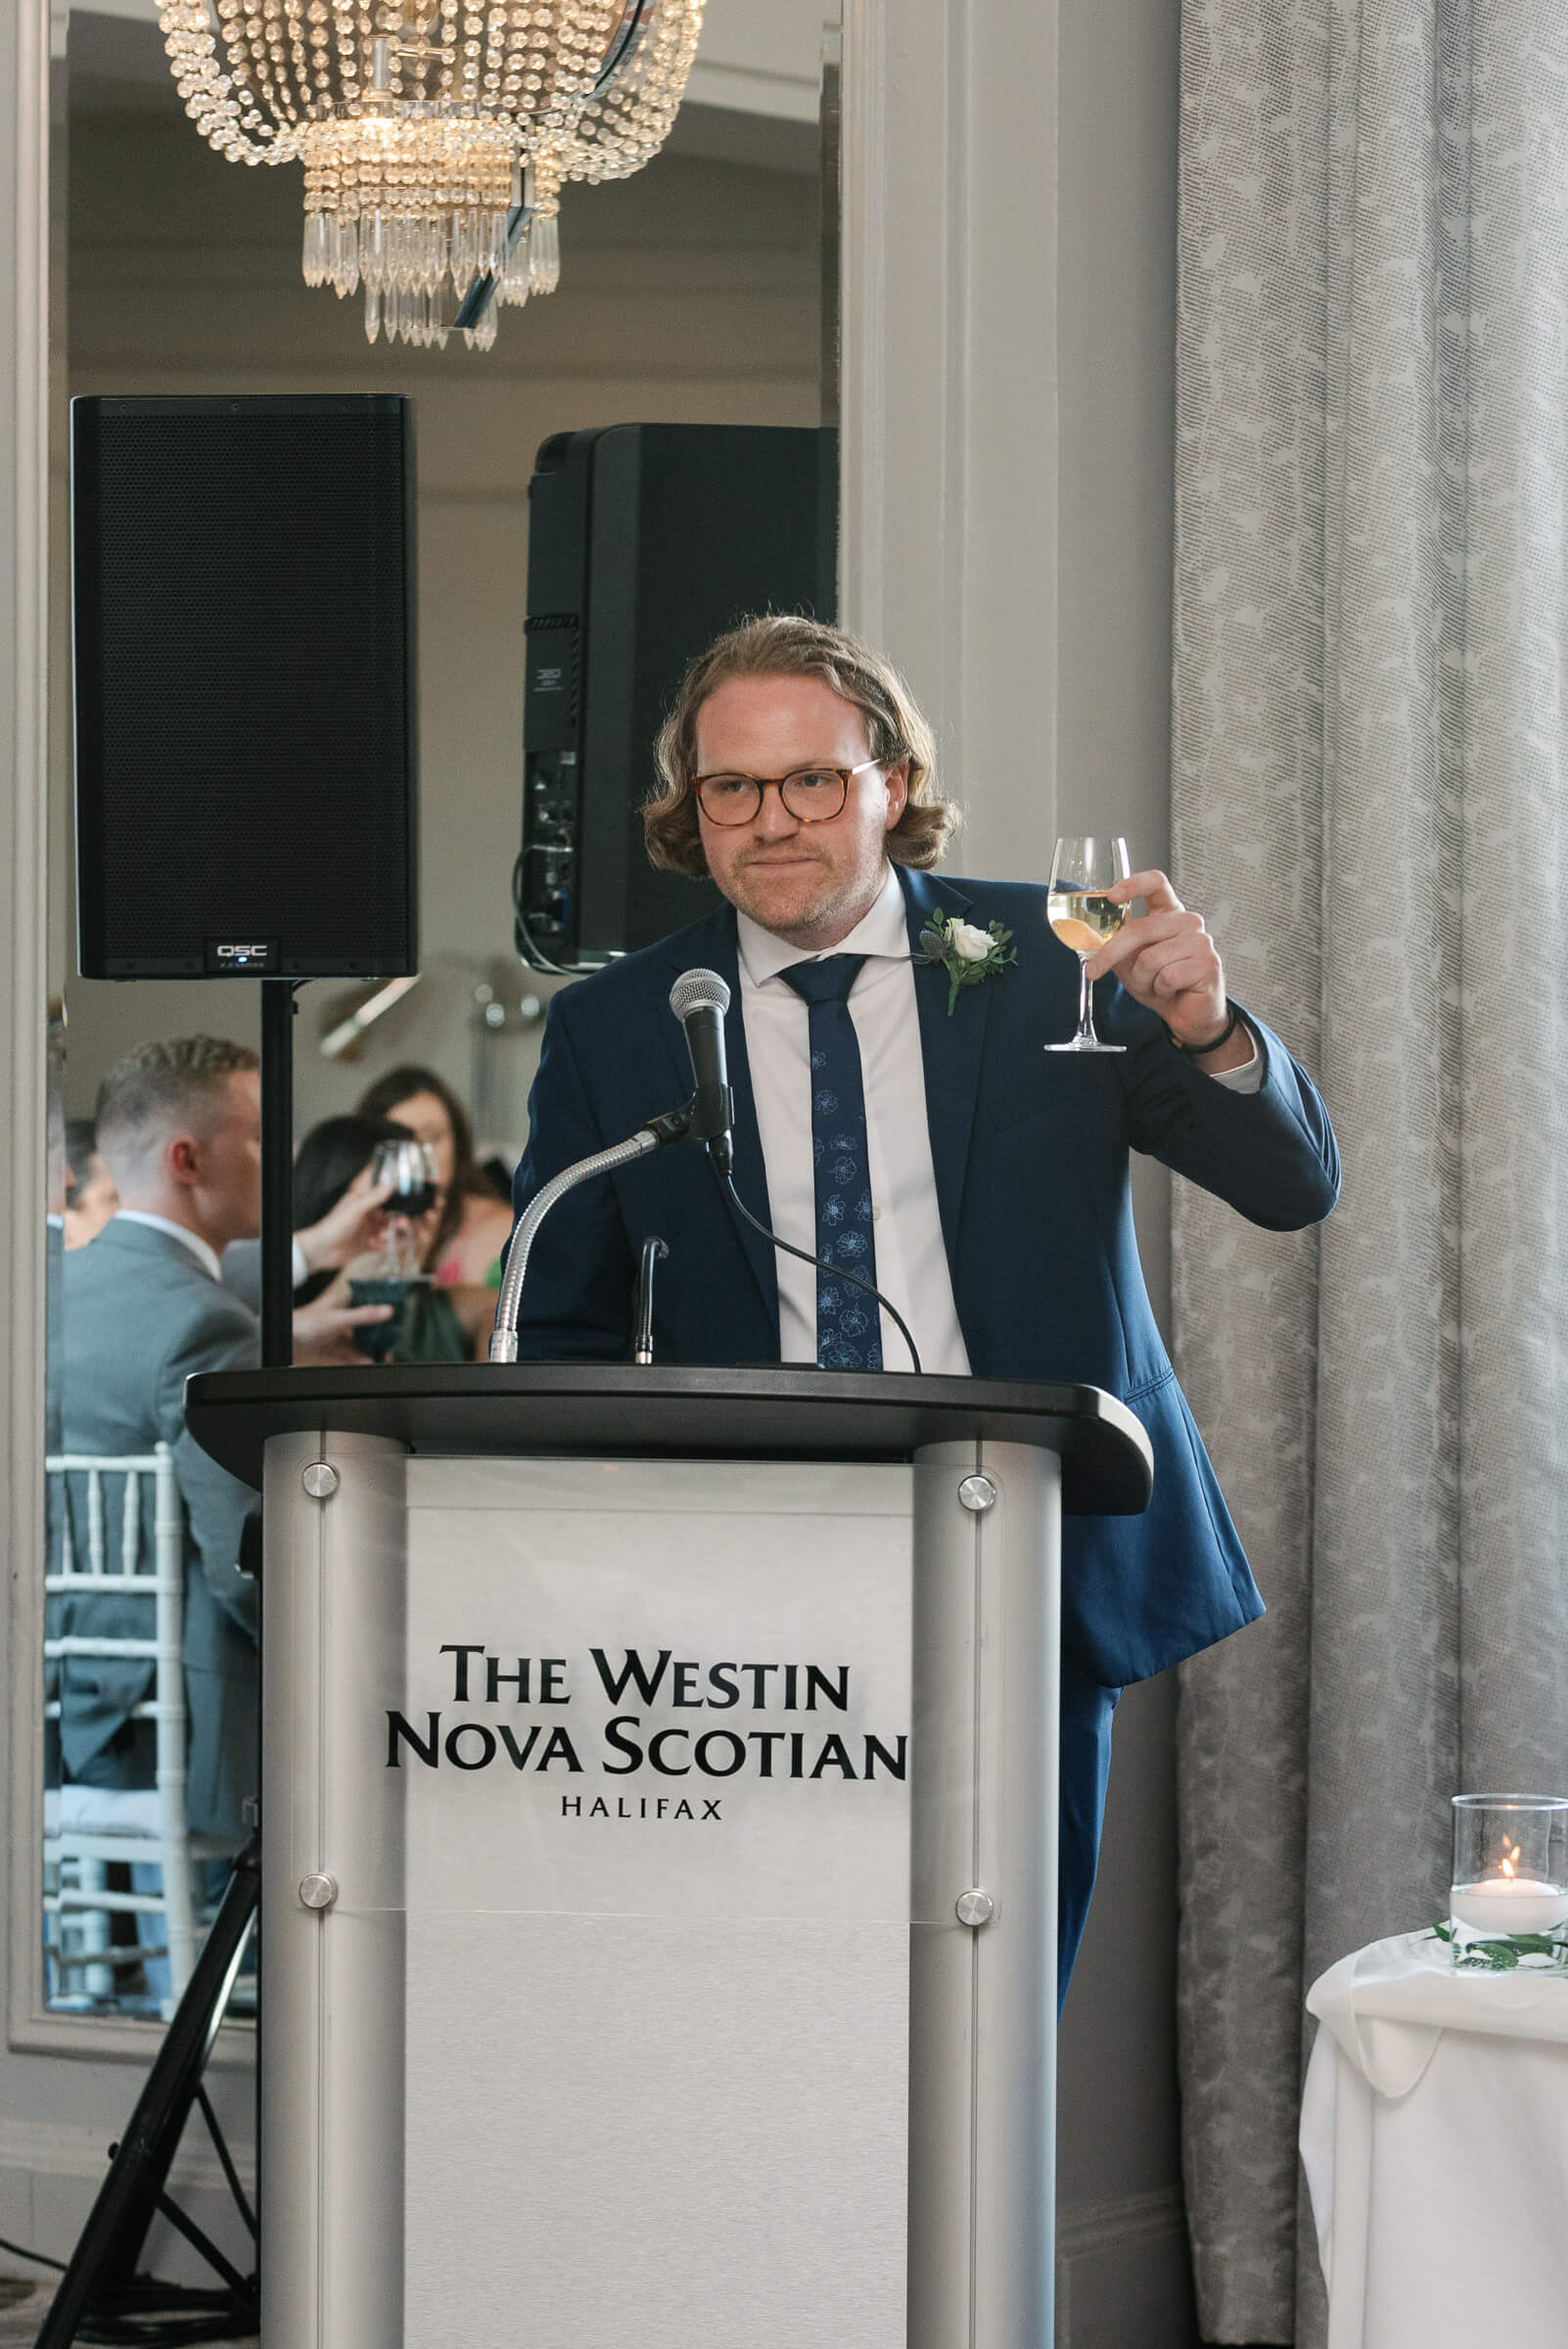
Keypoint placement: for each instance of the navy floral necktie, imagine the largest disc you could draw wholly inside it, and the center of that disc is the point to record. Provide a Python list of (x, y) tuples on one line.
[(849, 1326)]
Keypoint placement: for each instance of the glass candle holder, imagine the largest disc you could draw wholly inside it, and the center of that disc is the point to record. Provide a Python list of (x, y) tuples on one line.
[(1508, 1896)]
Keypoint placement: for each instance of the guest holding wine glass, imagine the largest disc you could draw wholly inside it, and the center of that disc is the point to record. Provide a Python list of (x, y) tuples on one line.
[(378, 1158), (335, 1163), (471, 1222)]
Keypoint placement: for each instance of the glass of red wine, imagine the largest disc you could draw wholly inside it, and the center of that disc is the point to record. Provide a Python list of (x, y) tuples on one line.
[(410, 1168)]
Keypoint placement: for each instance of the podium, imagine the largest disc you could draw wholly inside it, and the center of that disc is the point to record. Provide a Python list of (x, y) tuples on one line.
[(659, 1850)]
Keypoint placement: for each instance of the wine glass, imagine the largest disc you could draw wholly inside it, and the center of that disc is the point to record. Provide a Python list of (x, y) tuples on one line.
[(1083, 916), (410, 1168)]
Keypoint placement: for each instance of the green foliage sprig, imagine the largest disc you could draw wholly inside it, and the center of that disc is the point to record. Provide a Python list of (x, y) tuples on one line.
[(1503, 1953)]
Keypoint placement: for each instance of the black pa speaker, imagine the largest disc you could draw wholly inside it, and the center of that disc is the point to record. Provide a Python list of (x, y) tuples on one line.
[(244, 666), (645, 541)]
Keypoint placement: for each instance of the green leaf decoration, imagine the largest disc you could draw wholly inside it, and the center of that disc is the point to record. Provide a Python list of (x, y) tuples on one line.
[(1503, 1953)]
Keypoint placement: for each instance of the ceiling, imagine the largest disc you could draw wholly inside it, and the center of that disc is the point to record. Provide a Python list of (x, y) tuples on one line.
[(751, 96)]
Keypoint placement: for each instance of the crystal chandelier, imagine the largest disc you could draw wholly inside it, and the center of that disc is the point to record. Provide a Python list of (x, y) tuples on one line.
[(436, 134)]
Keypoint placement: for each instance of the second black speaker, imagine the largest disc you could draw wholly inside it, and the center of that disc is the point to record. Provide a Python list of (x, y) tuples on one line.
[(645, 541)]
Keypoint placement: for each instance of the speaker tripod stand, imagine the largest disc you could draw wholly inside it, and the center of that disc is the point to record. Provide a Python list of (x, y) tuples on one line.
[(102, 2298)]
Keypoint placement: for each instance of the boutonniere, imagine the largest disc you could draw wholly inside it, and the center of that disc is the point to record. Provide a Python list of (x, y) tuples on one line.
[(966, 954)]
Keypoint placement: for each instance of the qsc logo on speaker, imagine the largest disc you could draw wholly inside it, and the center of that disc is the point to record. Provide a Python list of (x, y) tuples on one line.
[(241, 957)]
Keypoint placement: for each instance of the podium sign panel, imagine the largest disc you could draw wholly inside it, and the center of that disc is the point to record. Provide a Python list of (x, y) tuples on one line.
[(657, 1896)]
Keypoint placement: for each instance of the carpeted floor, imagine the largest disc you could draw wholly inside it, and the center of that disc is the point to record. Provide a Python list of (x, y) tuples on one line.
[(21, 2312)]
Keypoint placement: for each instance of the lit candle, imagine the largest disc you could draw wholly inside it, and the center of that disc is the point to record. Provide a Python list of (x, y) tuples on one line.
[(1509, 1903)]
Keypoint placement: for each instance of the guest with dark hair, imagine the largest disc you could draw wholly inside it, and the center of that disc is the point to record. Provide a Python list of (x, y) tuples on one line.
[(90, 1194), (332, 1165), (472, 1220)]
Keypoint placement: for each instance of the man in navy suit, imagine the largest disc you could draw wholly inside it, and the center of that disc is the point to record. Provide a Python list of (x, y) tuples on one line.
[(983, 1182)]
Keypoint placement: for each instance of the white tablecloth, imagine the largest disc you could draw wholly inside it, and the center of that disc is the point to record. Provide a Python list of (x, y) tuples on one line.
[(1434, 2134)]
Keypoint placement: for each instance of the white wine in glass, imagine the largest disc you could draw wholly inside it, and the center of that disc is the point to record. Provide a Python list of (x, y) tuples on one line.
[(1083, 915)]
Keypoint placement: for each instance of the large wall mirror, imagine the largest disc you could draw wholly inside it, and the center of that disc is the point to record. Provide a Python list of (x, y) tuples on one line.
[(692, 293)]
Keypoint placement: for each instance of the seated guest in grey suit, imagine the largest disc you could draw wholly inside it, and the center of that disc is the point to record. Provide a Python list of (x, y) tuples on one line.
[(179, 1128)]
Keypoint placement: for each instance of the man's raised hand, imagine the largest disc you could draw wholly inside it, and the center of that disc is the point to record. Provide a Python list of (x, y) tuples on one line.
[(1167, 961), (356, 1223)]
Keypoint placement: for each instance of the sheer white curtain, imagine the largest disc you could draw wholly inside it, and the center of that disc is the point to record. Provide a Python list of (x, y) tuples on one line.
[(1370, 785)]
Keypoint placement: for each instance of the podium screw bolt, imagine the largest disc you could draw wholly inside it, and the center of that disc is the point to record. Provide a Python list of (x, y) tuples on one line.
[(975, 1908), (320, 1480), (318, 1892), (976, 1492)]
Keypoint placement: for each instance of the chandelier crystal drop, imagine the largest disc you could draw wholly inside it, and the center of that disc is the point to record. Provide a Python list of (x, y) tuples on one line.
[(435, 135)]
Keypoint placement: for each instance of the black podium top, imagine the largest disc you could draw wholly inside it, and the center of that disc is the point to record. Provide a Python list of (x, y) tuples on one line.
[(602, 1409)]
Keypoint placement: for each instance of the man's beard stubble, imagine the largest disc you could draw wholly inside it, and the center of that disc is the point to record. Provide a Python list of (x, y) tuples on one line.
[(813, 911)]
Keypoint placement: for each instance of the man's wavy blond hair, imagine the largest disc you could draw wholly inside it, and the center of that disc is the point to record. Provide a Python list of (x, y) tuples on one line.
[(786, 645)]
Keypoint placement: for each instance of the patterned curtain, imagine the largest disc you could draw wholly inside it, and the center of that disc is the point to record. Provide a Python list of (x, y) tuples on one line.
[(1370, 804)]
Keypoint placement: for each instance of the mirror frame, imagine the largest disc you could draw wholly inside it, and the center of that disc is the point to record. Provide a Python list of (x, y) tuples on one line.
[(25, 394), (24, 846), (929, 164)]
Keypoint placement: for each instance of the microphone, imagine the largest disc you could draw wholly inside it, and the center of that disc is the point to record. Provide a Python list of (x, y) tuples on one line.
[(699, 1000)]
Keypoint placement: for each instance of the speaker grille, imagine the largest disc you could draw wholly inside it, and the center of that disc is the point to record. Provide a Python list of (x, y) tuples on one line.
[(244, 740)]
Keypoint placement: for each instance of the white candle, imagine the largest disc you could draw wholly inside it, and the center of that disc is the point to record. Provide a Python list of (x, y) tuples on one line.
[(1509, 1905)]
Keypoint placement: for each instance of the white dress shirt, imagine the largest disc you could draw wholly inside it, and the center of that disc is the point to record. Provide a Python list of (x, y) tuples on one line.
[(911, 1256)]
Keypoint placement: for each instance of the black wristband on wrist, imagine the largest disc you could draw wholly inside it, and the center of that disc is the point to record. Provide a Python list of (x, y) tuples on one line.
[(1202, 1051)]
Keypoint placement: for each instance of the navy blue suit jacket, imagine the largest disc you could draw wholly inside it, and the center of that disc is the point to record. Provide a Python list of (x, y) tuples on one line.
[(1029, 1150)]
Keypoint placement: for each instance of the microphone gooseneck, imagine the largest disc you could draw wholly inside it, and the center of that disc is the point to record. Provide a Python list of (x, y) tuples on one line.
[(838, 1272), (699, 1000), (655, 1133)]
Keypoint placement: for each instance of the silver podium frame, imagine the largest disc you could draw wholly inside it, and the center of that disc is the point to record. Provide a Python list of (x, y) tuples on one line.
[(992, 1467)]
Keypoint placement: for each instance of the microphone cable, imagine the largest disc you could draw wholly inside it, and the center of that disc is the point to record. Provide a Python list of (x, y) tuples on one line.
[(836, 1271)]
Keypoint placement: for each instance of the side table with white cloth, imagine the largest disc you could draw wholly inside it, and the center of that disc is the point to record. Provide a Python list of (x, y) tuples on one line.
[(1434, 2134)]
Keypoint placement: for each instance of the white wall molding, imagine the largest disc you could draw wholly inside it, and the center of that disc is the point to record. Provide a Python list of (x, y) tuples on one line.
[(51, 2172), (949, 388), (1007, 408), (23, 792), (25, 2093), (79, 2151)]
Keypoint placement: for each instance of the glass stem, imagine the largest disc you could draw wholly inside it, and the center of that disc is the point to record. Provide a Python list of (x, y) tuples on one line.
[(1086, 1003)]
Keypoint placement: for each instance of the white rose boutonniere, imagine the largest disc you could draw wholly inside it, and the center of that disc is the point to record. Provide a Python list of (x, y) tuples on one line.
[(966, 954)]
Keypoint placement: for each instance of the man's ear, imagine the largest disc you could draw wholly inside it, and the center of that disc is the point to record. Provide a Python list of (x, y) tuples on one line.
[(897, 782), (182, 1160)]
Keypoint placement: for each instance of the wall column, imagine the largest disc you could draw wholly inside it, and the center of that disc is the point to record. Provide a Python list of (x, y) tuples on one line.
[(949, 390), (1008, 420)]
